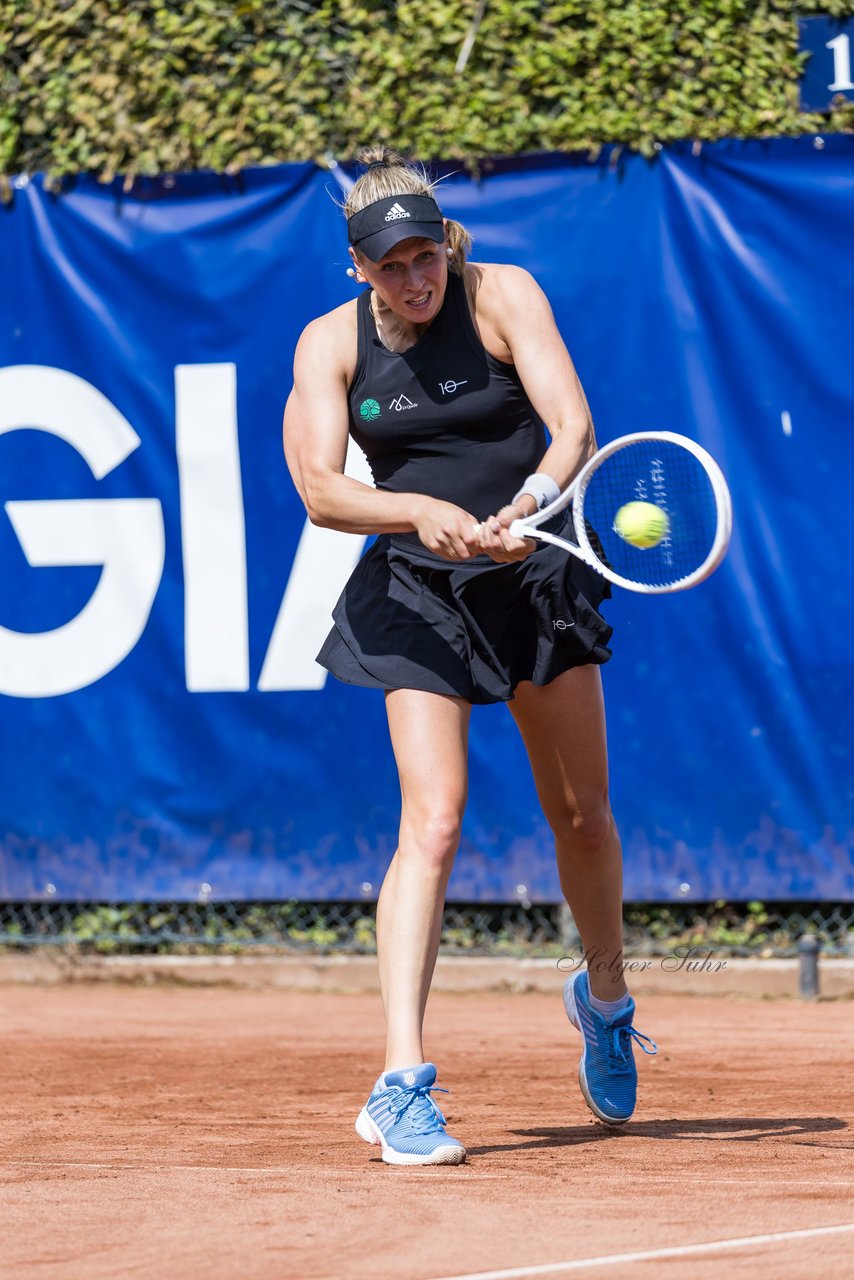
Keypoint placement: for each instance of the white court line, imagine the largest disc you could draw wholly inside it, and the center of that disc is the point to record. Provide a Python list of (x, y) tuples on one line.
[(646, 1255)]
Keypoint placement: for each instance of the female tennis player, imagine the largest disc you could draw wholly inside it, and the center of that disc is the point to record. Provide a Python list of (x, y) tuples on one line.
[(444, 372)]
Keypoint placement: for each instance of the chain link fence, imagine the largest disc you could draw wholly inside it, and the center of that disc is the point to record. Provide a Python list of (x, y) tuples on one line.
[(522, 928)]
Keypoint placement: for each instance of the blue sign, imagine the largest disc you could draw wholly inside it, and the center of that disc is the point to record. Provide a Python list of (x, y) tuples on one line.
[(827, 74), (162, 596)]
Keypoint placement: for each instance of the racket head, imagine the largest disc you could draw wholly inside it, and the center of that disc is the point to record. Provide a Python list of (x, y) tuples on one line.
[(677, 475)]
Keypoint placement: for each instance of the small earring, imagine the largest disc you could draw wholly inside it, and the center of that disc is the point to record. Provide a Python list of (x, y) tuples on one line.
[(449, 252), (351, 273)]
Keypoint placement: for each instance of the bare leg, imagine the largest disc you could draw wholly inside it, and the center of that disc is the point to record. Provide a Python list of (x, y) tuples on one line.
[(429, 735), (563, 727)]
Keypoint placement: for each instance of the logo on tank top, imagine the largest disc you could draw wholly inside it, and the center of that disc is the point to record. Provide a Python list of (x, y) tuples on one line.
[(397, 211), (369, 409), (448, 388), (402, 402)]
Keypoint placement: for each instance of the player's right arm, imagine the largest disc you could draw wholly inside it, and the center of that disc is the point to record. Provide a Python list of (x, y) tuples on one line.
[(315, 431)]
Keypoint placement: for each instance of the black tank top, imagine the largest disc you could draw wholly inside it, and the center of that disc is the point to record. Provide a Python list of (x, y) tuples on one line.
[(444, 418)]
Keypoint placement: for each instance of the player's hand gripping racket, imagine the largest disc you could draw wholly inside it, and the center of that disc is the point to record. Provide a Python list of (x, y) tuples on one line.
[(650, 512)]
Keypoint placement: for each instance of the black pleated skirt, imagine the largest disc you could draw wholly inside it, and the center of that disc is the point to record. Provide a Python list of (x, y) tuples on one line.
[(407, 619)]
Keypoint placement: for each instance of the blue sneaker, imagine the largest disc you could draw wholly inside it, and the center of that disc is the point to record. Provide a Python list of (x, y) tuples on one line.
[(405, 1120), (606, 1072)]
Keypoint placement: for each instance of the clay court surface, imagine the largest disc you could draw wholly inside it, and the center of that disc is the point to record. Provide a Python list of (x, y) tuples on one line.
[(184, 1133)]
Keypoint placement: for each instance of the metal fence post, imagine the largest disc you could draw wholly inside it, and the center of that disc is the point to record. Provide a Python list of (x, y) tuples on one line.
[(808, 949), (568, 934)]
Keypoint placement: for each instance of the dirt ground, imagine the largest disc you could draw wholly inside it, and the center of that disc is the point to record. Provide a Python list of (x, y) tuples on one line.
[(207, 1134)]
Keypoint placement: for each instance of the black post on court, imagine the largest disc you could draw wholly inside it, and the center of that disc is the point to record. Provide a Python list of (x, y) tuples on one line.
[(808, 949)]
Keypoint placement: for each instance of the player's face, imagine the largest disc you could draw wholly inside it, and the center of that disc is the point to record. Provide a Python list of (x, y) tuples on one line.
[(411, 279)]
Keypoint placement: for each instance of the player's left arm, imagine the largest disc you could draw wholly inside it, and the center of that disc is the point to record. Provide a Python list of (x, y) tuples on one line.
[(526, 324), (518, 312)]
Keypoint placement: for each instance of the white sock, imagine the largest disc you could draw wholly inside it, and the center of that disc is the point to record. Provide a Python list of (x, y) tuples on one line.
[(609, 1008), (381, 1084)]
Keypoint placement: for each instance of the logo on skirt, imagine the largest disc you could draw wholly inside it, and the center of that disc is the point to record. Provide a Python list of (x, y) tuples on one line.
[(560, 625)]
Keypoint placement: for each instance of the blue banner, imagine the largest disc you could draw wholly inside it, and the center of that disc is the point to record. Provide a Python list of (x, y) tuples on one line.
[(165, 726)]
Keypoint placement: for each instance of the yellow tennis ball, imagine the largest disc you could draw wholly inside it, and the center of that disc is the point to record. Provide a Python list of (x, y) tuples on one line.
[(642, 524)]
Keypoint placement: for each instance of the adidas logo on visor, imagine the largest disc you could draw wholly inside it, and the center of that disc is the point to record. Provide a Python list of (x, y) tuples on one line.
[(396, 211)]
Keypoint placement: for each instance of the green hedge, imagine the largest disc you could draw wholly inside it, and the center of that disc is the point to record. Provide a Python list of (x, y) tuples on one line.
[(148, 86)]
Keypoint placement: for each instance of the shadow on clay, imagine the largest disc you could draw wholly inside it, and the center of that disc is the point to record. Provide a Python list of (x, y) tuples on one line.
[(723, 1129)]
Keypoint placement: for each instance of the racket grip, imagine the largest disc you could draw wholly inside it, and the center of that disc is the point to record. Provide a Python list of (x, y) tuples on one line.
[(518, 529)]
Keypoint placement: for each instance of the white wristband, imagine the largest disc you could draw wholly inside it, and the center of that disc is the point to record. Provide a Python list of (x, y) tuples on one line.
[(541, 488)]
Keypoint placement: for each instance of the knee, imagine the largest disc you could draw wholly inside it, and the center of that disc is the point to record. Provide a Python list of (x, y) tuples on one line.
[(586, 826), (432, 835)]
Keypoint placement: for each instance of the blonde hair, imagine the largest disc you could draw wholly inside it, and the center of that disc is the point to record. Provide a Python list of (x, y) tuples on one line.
[(390, 175)]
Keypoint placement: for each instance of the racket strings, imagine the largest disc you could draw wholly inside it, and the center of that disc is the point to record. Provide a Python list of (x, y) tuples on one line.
[(669, 477)]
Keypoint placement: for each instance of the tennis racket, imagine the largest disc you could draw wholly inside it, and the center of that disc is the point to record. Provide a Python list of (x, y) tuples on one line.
[(672, 473)]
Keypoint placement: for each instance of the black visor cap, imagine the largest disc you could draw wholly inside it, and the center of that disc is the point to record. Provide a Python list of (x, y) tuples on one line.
[(378, 227)]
